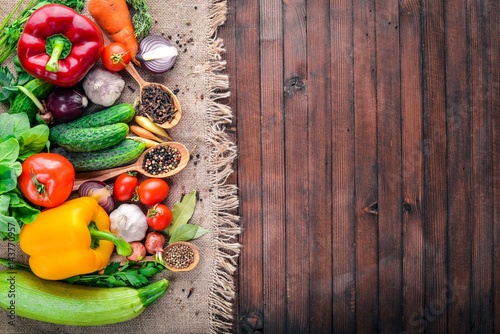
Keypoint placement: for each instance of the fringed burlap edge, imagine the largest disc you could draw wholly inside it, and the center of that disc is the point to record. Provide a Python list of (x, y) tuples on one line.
[(223, 154)]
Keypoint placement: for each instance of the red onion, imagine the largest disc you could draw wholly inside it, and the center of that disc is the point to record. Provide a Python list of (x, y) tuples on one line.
[(66, 104), (156, 54), (100, 191), (139, 251), (154, 245)]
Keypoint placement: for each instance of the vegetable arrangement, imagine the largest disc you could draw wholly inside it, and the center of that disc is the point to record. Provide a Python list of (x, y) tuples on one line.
[(93, 253)]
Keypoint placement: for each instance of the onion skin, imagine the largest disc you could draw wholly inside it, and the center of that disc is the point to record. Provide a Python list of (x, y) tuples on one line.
[(66, 104), (156, 54), (100, 191), (154, 245)]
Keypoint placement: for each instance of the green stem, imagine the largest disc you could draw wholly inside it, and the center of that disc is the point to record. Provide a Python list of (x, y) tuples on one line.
[(123, 248), (58, 47), (7, 19), (32, 97)]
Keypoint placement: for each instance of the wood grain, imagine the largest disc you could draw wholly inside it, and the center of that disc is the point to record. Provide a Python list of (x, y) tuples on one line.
[(369, 165)]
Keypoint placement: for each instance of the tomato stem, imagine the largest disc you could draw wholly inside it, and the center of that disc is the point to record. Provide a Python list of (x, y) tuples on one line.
[(40, 187)]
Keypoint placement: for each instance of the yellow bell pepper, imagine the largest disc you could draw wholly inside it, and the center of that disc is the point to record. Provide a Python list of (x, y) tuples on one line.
[(70, 239)]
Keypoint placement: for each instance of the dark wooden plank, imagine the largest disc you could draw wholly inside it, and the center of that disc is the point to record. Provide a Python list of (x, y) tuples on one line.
[(494, 91), (273, 168), (389, 162), (459, 166), (432, 316), (247, 56), (319, 165), (365, 169), (297, 186), (344, 261), (412, 162), (481, 148)]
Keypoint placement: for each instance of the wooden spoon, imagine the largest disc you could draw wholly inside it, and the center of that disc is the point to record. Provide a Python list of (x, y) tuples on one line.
[(130, 68), (196, 253), (107, 174)]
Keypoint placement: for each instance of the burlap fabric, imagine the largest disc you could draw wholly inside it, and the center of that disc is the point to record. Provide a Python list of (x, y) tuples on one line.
[(200, 301)]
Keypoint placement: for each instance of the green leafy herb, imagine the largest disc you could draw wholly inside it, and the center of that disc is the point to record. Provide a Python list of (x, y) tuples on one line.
[(141, 19), (130, 274)]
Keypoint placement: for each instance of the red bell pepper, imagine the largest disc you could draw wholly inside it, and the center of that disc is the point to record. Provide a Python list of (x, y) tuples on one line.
[(59, 46)]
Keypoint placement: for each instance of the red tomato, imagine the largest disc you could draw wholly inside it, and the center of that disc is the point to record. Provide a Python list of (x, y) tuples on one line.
[(159, 217), (125, 186), (47, 179), (152, 191), (115, 57)]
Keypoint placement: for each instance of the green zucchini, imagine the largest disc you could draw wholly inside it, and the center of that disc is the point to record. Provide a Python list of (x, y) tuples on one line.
[(120, 113), (92, 139), (26, 295), (23, 103), (121, 154)]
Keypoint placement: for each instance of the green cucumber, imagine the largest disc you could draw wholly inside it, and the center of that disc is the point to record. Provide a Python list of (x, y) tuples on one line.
[(24, 294), (23, 103), (120, 113), (121, 154), (92, 139)]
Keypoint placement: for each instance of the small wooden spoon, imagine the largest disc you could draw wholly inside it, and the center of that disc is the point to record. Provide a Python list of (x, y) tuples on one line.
[(107, 174), (130, 68), (196, 253)]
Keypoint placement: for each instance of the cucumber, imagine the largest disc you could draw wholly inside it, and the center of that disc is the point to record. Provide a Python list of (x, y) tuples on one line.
[(24, 294), (120, 113), (121, 154), (92, 139), (23, 103)]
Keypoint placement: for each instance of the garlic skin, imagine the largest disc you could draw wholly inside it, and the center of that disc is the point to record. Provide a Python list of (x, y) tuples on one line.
[(103, 87), (129, 222)]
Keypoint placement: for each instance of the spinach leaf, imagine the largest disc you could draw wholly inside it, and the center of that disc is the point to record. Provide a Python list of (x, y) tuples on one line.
[(22, 210), (8, 179), (9, 151), (34, 140), (7, 124), (7, 79)]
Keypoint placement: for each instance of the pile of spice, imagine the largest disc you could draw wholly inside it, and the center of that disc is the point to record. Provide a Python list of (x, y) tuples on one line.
[(161, 159), (157, 103), (179, 256)]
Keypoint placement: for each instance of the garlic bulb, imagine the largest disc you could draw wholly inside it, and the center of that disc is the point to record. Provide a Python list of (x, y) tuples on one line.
[(129, 222)]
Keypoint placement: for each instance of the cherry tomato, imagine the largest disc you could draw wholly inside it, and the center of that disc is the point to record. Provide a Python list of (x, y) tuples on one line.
[(125, 186), (159, 217), (47, 179), (152, 191), (115, 57)]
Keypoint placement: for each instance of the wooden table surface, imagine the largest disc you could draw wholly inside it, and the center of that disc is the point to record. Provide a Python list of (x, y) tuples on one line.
[(368, 169)]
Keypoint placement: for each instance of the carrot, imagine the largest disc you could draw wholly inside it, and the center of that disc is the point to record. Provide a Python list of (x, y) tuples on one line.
[(141, 132), (114, 18)]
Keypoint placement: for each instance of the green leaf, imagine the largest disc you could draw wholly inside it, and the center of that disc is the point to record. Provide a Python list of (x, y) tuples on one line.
[(35, 140), (182, 212), (22, 210), (4, 204), (111, 268), (9, 151), (7, 79), (184, 233), (6, 125), (8, 179), (21, 122), (9, 224), (201, 232)]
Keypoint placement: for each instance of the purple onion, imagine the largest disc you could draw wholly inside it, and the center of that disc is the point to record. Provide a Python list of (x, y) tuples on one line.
[(66, 104), (156, 54), (100, 191)]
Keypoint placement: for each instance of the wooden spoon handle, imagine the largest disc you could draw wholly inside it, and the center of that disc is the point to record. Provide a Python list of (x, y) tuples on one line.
[(130, 68), (101, 175)]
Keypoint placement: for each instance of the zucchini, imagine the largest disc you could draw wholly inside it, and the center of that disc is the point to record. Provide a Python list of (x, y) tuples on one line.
[(92, 139), (23, 103), (121, 154), (120, 113), (26, 295)]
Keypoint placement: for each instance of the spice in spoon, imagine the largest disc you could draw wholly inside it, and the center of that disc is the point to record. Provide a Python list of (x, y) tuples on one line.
[(178, 256), (161, 159), (157, 103)]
